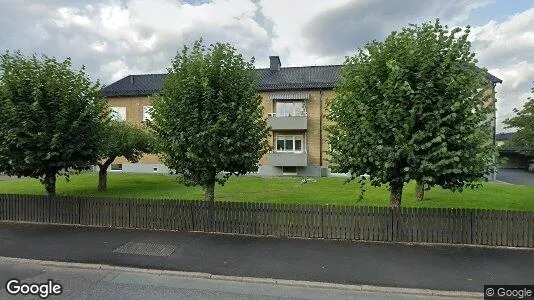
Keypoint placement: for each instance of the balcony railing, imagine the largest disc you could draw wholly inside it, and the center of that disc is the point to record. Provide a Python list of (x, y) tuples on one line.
[(288, 159), (278, 121), (282, 115)]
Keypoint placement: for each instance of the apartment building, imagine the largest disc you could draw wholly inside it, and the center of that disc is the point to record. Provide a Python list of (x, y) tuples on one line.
[(294, 104)]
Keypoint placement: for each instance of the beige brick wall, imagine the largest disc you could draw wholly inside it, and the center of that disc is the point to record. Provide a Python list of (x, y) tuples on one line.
[(313, 135), (134, 112), (134, 115)]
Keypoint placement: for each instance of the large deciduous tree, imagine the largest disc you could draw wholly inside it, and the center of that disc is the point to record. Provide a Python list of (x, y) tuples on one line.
[(414, 107), (52, 118), (523, 122), (208, 116), (122, 139)]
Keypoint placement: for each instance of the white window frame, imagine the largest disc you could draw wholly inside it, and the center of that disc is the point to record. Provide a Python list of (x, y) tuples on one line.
[(118, 113), (116, 170), (146, 115), (293, 138), (292, 113)]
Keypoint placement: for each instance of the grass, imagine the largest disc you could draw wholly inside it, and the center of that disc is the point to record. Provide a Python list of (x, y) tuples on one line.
[(281, 190)]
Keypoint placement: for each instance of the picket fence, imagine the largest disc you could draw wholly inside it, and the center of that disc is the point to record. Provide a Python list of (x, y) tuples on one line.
[(406, 224)]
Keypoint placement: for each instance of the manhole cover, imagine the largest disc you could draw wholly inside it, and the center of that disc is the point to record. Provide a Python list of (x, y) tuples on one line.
[(146, 249)]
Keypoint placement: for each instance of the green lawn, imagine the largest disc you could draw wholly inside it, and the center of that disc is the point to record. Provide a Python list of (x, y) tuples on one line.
[(281, 190)]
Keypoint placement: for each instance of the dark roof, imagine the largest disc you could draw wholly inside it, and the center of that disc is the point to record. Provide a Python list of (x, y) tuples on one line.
[(493, 78), (313, 77), (291, 78), (505, 136), (135, 85)]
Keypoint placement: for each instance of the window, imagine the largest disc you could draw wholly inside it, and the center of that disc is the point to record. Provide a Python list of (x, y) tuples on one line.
[(147, 113), (290, 108), (116, 167), (289, 143), (118, 113), (289, 170), (155, 169)]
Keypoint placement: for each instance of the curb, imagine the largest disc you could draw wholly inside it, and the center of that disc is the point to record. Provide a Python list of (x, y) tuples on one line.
[(282, 282), (504, 182)]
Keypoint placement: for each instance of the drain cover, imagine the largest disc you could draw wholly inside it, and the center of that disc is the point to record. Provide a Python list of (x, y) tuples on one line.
[(146, 249)]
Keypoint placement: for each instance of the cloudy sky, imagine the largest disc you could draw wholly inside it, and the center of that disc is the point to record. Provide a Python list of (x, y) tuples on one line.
[(114, 38)]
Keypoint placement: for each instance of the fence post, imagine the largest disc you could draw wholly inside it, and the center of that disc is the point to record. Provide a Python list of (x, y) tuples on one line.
[(49, 197), (322, 221), (393, 235), (129, 205), (192, 215), (395, 223), (471, 233), (211, 216), (79, 210)]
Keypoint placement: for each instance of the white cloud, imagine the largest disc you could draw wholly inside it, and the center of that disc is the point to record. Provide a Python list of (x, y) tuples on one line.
[(507, 50), (318, 32), (114, 38), (289, 19)]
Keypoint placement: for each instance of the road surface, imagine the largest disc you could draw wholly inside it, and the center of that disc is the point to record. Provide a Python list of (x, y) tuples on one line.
[(78, 283), (515, 176)]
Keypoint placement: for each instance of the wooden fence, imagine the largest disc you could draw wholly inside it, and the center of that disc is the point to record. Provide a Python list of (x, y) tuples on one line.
[(431, 225)]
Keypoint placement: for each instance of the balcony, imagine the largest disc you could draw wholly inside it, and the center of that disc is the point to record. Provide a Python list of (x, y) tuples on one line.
[(287, 121), (289, 159)]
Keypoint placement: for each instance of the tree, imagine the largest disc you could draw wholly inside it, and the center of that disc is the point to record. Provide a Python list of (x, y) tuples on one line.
[(122, 139), (52, 118), (208, 116), (524, 123), (413, 107)]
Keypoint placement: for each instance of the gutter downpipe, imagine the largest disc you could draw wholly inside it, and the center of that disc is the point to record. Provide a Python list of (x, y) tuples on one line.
[(321, 131), (494, 128)]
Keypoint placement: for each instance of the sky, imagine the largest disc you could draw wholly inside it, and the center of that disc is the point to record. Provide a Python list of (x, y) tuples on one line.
[(115, 38)]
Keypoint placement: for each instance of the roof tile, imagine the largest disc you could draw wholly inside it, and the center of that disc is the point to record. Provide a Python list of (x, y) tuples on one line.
[(291, 78)]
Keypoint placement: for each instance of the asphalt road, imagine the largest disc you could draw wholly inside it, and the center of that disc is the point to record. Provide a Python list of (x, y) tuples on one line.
[(515, 176), (102, 284), (439, 267)]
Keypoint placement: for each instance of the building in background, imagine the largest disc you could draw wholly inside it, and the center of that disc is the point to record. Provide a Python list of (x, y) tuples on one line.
[(514, 157), (294, 103)]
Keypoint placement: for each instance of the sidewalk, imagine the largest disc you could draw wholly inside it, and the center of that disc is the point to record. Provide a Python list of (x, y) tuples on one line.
[(450, 268)]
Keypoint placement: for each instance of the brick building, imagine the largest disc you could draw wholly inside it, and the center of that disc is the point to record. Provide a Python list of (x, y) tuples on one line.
[(294, 101)]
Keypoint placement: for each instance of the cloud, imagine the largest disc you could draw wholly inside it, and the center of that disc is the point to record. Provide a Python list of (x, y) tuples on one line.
[(114, 38), (507, 50), (339, 27)]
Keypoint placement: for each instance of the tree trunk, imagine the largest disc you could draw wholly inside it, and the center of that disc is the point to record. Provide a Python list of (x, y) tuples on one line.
[(396, 193), (209, 195), (419, 191), (102, 179), (50, 184), (103, 174)]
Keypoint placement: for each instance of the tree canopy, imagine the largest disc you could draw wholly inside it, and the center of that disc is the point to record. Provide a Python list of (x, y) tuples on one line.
[(414, 107), (122, 139), (208, 116), (523, 122), (52, 118)]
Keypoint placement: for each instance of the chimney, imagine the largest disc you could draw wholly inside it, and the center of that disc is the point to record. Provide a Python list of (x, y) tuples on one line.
[(132, 79), (275, 63)]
